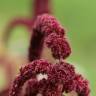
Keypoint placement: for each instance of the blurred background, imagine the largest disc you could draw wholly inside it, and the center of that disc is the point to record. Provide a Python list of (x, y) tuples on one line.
[(79, 19)]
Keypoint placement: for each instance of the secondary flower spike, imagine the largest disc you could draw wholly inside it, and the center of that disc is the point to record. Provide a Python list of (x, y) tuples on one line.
[(46, 27), (56, 78)]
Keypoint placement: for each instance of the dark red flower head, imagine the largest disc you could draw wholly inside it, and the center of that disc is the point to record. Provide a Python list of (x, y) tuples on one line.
[(47, 24), (61, 78)]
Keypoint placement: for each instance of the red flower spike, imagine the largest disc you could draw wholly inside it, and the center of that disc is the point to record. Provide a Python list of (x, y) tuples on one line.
[(43, 27), (47, 24), (59, 46)]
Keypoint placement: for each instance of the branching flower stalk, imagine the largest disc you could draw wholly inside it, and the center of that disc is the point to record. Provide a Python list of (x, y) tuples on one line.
[(60, 77)]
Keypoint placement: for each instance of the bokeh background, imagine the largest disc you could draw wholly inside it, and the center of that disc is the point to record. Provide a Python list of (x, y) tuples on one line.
[(78, 17)]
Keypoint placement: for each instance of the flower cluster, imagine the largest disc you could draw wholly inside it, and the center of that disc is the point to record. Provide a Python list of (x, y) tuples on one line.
[(53, 32), (60, 77)]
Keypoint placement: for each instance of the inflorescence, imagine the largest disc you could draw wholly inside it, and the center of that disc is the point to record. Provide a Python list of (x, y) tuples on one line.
[(58, 78)]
